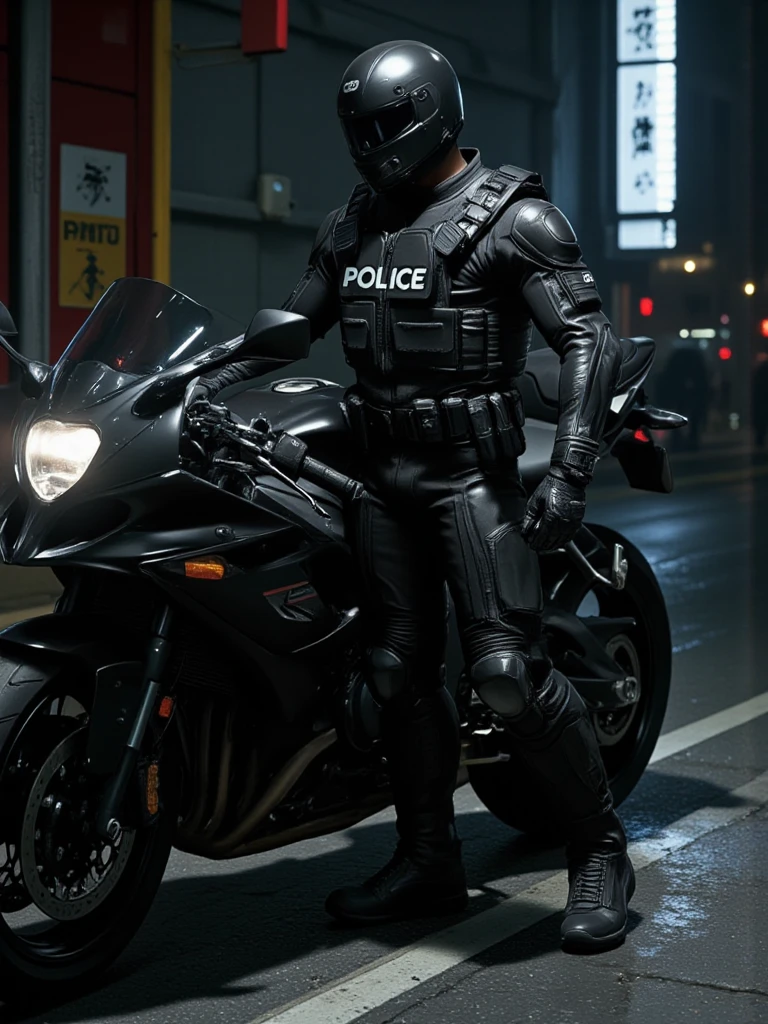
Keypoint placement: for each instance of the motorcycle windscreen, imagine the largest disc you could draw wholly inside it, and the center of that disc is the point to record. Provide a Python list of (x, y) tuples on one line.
[(141, 327), (138, 328)]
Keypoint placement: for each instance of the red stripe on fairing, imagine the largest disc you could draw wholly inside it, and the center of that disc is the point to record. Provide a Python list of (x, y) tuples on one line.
[(298, 600), (281, 590)]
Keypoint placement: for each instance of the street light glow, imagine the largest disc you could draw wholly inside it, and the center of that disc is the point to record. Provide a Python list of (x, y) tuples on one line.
[(749, 288), (689, 266)]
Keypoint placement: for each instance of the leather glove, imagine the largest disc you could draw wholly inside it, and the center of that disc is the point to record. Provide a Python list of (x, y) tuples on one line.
[(199, 399), (205, 417), (554, 512)]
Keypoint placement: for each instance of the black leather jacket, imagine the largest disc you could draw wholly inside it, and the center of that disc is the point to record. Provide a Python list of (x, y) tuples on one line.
[(526, 269)]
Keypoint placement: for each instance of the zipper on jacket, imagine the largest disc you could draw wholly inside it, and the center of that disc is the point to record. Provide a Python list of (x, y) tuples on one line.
[(385, 342), (593, 368)]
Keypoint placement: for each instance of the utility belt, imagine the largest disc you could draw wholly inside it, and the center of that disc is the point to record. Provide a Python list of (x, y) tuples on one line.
[(492, 423)]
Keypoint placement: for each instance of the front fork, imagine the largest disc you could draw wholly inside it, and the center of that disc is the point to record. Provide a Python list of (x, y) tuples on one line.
[(107, 821)]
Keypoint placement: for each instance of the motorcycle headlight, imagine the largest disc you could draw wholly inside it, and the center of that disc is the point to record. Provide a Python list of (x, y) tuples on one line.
[(57, 454)]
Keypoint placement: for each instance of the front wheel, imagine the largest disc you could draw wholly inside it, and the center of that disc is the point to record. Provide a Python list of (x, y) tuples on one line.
[(70, 901), (627, 737)]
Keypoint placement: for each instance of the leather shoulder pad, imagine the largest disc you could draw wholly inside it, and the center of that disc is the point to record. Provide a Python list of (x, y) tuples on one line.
[(347, 227), (544, 234), (324, 238)]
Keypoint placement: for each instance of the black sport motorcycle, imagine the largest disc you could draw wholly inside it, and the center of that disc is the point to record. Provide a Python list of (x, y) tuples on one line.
[(198, 684)]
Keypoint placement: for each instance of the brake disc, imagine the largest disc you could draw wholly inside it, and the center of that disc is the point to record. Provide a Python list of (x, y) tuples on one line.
[(75, 878), (13, 895)]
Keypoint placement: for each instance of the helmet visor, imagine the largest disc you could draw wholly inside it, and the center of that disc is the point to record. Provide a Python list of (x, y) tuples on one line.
[(370, 131)]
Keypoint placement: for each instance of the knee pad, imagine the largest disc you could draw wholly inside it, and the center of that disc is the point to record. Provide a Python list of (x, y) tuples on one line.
[(388, 676), (503, 682)]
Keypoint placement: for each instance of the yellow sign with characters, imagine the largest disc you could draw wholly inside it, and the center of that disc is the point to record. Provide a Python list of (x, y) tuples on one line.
[(91, 257), (92, 224)]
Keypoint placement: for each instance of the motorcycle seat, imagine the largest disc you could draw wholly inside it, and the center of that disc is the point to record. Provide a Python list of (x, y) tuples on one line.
[(540, 382)]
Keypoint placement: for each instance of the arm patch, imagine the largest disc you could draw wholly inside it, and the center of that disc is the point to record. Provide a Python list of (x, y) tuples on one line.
[(581, 287)]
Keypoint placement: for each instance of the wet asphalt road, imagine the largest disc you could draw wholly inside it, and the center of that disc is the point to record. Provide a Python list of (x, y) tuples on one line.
[(235, 941)]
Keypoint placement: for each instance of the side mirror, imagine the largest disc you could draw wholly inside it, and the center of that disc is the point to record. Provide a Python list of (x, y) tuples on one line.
[(277, 336), (7, 326), (33, 374)]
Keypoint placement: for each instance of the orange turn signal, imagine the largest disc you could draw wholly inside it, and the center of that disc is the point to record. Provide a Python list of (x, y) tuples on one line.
[(205, 569)]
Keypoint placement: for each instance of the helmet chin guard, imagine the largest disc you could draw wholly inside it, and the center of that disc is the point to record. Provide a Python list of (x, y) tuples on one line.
[(401, 111)]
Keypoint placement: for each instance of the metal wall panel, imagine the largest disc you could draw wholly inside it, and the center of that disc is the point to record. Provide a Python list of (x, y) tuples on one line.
[(4, 169), (4, 208), (233, 120)]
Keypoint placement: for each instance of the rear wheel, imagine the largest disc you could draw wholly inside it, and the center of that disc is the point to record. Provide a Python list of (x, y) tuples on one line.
[(627, 736), (70, 901)]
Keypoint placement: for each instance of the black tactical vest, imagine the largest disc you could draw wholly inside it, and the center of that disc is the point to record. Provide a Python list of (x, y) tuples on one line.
[(395, 289)]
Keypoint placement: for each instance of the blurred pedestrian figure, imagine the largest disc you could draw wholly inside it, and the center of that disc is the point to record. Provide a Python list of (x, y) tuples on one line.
[(684, 386), (760, 402)]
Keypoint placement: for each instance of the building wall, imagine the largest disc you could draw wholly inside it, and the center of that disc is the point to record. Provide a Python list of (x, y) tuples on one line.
[(233, 120), (4, 173)]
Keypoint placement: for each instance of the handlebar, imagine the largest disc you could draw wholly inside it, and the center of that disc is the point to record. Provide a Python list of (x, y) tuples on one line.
[(259, 442), (331, 479)]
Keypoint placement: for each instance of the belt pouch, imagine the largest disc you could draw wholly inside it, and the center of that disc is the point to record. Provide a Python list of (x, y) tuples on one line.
[(509, 437), (455, 412), (427, 417), (514, 402), (358, 424), (381, 421), (482, 430)]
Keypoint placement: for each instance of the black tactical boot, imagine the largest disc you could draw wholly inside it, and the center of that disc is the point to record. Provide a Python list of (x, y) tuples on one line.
[(425, 876), (556, 738), (601, 884), (404, 888)]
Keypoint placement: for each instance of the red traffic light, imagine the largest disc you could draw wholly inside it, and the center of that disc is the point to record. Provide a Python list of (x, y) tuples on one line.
[(764, 328), (724, 352), (646, 307)]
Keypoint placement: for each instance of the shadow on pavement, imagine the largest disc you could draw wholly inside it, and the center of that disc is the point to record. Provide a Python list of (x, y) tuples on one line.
[(208, 935)]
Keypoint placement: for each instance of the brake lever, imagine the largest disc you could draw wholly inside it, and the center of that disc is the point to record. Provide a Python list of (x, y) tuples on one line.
[(262, 460), (273, 469)]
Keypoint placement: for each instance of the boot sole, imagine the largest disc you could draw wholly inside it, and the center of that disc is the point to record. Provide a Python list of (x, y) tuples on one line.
[(439, 908), (578, 941), (581, 942)]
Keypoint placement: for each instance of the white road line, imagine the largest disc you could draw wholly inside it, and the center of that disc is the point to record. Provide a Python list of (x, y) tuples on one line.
[(348, 998), (706, 728)]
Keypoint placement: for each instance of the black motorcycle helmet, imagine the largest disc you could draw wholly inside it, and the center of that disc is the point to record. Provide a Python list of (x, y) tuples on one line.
[(401, 111)]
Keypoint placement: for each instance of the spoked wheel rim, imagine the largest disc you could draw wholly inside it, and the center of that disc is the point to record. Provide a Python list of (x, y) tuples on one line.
[(62, 914), (67, 869)]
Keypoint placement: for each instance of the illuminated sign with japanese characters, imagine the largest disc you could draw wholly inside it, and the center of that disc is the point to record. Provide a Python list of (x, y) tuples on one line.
[(646, 138), (646, 96), (647, 30)]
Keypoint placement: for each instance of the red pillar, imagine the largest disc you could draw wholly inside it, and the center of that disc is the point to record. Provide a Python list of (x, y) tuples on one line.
[(100, 154), (4, 156)]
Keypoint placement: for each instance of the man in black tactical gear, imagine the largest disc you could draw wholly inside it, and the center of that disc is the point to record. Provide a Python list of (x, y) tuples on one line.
[(436, 268)]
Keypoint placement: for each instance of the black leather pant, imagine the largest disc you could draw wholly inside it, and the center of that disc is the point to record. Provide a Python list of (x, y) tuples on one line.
[(430, 517)]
